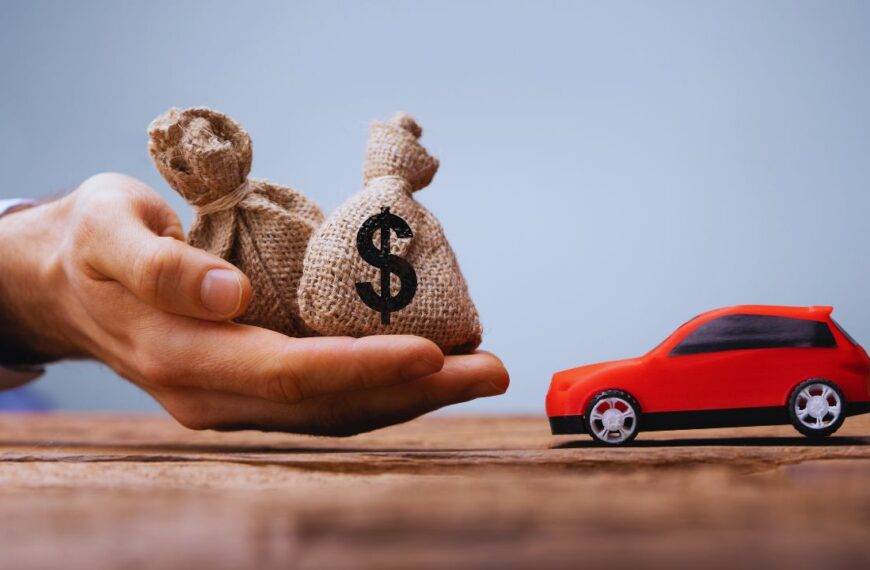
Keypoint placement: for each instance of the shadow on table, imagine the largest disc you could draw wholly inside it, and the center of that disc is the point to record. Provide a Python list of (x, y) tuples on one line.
[(756, 441), (215, 448)]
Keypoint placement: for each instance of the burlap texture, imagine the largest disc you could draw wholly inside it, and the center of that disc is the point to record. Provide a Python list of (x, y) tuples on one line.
[(396, 165), (260, 227)]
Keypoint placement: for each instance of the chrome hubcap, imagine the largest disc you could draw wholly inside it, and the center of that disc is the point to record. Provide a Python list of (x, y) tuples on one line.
[(817, 406), (613, 420)]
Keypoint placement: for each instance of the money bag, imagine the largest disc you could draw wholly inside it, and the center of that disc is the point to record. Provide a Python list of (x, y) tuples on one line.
[(381, 264), (260, 227)]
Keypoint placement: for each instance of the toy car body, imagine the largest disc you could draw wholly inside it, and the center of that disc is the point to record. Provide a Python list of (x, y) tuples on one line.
[(736, 366)]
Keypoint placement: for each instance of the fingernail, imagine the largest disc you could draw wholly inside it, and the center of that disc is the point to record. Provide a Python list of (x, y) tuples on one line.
[(421, 367), (484, 389), (221, 291)]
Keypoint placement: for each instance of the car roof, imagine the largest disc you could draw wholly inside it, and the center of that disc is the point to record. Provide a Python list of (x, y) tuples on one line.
[(814, 312)]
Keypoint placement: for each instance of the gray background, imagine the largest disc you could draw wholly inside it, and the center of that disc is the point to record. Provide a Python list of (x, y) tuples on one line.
[(608, 169)]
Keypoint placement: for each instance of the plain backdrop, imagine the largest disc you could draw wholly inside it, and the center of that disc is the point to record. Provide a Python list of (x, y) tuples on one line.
[(609, 169)]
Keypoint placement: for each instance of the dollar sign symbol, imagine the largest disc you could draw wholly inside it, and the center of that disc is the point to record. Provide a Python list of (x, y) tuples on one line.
[(388, 263)]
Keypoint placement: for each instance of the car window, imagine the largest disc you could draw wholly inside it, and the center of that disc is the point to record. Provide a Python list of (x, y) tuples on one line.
[(737, 332)]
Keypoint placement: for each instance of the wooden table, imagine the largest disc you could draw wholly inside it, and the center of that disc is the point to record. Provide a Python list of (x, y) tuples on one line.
[(87, 491)]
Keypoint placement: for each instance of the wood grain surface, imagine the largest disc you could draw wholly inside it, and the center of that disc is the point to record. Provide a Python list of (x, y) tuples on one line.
[(88, 491)]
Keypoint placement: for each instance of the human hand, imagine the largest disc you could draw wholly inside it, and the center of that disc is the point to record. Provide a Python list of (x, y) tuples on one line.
[(105, 273)]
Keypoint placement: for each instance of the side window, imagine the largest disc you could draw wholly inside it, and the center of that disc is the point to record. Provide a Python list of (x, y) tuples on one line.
[(736, 332)]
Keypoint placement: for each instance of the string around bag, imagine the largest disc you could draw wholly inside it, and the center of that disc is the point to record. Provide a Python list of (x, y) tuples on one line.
[(227, 201)]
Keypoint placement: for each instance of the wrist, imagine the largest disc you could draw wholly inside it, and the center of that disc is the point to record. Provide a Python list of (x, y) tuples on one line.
[(31, 292)]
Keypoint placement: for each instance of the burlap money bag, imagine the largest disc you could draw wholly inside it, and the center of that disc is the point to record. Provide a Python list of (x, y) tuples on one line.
[(396, 165), (260, 227)]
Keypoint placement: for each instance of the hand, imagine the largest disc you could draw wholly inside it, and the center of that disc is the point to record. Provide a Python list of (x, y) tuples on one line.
[(104, 273)]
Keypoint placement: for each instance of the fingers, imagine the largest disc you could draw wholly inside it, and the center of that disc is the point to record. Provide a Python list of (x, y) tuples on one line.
[(329, 365), (131, 236), (463, 378), (251, 361)]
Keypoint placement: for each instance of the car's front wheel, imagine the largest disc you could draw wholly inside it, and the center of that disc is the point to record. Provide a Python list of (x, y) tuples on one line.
[(816, 408), (612, 417)]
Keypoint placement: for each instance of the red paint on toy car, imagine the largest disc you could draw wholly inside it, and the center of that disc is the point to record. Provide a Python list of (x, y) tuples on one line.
[(665, 380)]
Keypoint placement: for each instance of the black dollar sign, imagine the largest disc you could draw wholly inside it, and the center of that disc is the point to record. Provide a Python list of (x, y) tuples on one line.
[(388, 263)]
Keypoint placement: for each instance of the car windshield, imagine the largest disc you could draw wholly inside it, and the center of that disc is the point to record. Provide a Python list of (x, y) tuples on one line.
[(667, 338), (845, 334)]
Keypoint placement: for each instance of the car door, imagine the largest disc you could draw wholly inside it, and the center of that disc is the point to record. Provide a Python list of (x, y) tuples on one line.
[(712, 380), (706, 369)]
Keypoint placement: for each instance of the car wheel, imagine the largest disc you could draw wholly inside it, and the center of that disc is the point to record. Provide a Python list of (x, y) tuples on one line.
[(612, 417), (817, 408)]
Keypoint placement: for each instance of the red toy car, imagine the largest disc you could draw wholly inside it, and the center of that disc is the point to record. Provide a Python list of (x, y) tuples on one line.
[(737, 366)]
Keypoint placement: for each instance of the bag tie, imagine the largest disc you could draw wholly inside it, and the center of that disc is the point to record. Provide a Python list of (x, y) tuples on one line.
[(227, 201)]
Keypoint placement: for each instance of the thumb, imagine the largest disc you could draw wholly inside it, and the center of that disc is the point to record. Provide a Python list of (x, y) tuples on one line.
[(175, 277), (163, 271)]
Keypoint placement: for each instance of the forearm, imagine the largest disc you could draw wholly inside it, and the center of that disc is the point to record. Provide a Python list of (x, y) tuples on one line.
[(30, 331)]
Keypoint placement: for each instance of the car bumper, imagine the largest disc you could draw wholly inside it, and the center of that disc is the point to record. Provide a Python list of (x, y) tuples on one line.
[(563, 425)]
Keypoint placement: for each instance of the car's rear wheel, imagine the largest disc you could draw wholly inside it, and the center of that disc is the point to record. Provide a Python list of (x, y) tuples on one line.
[(612, 417), (817, 408)]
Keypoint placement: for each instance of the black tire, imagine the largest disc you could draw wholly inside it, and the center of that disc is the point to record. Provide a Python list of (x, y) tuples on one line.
[(829, 422), (595, 426)]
